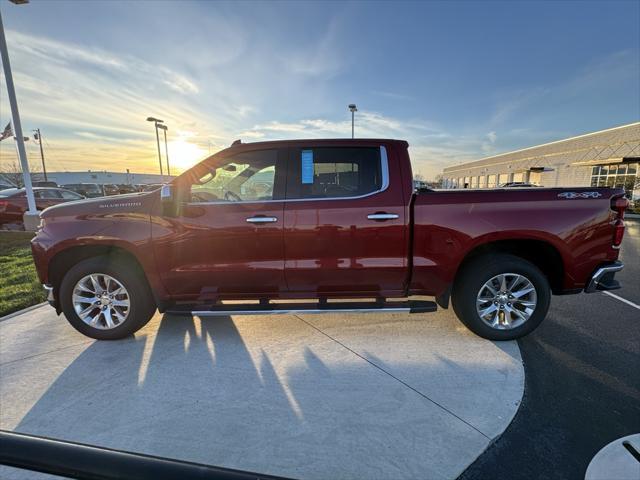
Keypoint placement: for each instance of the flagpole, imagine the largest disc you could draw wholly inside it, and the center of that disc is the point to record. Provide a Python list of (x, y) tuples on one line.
[(17, 131)]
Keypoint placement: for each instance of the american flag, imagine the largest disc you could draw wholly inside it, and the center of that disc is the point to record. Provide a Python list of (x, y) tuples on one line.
[(7, 132)]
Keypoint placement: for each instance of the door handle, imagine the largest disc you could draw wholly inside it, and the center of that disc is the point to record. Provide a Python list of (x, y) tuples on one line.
[(382, 216), (262, 219)]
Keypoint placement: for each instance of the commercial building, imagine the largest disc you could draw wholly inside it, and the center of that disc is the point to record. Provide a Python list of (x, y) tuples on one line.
[(101, 177), (605, 158)]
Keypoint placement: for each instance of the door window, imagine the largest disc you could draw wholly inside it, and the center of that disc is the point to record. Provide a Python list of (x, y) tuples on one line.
[(46, 194), (334, 172), (245, 177)]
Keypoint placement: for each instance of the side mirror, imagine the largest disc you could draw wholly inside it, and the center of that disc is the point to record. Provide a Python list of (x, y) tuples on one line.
[(168, 201)]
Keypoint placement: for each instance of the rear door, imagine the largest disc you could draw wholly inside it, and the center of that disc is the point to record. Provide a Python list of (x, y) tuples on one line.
[(344, 220), (227, 240)]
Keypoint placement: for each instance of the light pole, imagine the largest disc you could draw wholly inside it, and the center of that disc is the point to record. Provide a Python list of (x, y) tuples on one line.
[(31, 216), (164, 128), (38, 136), (157, 121), (353, 109)]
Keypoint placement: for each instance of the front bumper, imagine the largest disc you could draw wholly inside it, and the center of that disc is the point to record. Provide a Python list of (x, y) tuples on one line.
[(602, 278), (51, 298)]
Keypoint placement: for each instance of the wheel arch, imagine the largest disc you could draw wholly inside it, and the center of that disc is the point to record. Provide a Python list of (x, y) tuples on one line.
[(540, 253), (63, 260)]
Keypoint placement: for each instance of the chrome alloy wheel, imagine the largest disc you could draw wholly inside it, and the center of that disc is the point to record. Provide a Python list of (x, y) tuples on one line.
[(101, 301), (506, 301)]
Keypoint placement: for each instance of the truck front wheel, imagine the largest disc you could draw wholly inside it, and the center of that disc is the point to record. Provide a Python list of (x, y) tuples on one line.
[(106, 299), (501, 297)]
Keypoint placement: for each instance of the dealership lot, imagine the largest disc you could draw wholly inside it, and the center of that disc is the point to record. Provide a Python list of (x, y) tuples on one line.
[(375, 396)]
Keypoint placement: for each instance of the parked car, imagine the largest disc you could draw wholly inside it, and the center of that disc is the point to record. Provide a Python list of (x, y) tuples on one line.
[(45, 184), (6, 186), (13, 201), (89, 190), (325, 220), (124, 188), (110, 189), (517, 184), (151, 187)]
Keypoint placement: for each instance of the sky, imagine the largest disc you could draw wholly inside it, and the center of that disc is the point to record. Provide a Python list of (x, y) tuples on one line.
[(458, 80)]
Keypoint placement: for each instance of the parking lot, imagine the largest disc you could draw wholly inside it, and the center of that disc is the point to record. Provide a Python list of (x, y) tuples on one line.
[(357, 396)]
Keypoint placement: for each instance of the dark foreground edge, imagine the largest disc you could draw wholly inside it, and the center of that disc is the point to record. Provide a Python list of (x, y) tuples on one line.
[(88, 462)]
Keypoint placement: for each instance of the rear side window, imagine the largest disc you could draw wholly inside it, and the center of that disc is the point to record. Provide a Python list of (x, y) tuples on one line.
[(334, 172), (70, 195), (46, 194)]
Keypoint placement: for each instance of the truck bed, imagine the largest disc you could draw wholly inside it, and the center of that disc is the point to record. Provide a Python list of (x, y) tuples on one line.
[(571, 228)]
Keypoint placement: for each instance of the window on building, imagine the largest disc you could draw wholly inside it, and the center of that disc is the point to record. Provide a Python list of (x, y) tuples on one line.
[(535, 178), (482, 181), (503, 178), (623, 175), (491, 181), (474, 182), (518, 177)]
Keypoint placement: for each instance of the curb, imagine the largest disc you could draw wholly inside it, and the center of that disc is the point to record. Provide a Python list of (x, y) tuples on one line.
[(24, 310)]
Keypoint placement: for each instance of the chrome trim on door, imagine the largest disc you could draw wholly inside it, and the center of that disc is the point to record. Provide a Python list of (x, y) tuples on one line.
[(262, 219), (382, 216), (384, 169)]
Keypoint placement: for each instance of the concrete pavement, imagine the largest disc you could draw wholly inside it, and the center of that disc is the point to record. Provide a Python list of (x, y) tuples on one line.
[(314, 397)]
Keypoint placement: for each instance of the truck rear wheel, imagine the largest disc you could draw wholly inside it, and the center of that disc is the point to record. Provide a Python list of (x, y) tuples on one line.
[(501, 297), (106, 299)]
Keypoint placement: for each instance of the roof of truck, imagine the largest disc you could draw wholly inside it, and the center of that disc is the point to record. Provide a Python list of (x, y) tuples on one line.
[(319, 141)]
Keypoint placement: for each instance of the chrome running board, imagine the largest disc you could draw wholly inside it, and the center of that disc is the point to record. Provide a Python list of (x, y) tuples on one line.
[(410, 306)]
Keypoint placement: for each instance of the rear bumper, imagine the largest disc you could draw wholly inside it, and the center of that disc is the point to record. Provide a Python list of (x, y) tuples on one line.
[(602, 278)]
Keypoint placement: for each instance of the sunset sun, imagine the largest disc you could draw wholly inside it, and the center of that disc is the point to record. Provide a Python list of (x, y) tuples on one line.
[(184, 154)]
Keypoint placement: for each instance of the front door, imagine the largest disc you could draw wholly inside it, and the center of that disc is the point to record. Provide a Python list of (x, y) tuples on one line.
[(227, 240), (345, 226)]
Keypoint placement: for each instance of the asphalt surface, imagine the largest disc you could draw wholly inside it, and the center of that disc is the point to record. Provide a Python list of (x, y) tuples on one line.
[(582, 383)]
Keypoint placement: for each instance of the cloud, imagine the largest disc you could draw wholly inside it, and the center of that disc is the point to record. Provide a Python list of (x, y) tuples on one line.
[(597, 77), (92, 104), (322, 58), (492, 137), (392, 95)]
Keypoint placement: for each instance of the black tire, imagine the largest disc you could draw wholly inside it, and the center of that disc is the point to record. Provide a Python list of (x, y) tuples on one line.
[(474, 275), (142, 305)]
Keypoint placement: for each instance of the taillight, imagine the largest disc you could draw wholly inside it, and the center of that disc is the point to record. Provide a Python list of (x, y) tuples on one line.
[(618, 233), (3, 205), (618, 205)]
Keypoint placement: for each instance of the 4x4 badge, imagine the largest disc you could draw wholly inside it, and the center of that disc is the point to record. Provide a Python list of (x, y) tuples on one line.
[(573, 195)]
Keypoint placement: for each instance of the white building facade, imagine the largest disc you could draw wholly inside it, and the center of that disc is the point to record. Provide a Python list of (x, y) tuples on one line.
[(103, 178), (605, 158)]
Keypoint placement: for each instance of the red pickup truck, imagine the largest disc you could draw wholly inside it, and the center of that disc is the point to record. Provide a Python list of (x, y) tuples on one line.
[(334, 222)]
